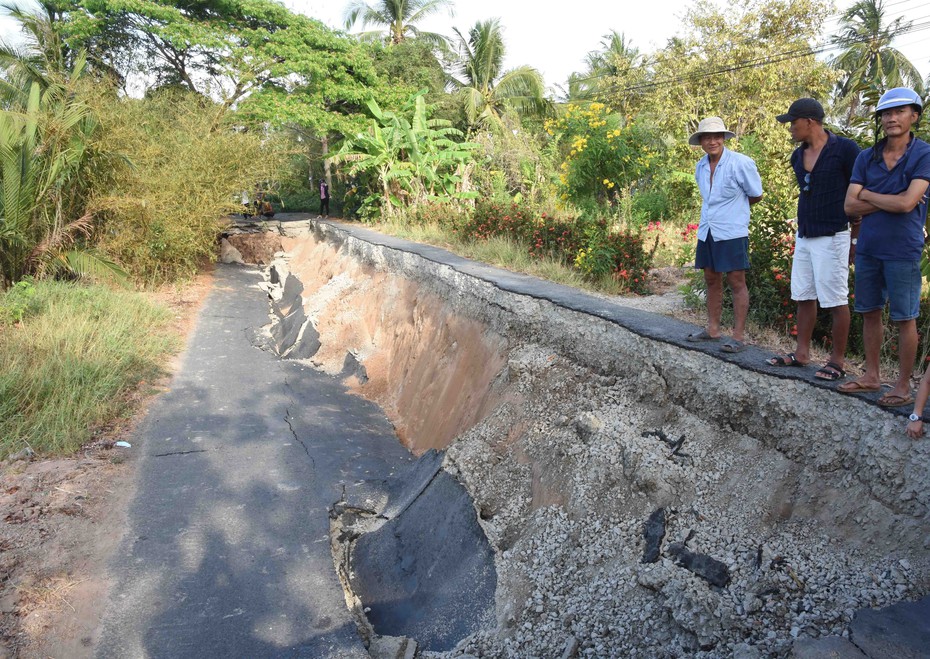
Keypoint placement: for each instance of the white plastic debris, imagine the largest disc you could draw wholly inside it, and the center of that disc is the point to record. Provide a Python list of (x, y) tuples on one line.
[(123, 444)]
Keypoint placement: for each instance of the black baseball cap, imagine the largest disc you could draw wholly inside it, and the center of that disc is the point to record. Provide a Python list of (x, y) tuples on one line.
[(803, 108)]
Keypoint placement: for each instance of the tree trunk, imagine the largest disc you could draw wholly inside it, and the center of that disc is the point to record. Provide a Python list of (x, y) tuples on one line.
[(327, 171)]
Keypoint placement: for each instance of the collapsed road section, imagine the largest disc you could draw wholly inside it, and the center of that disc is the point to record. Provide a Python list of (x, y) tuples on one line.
[(641, 497)]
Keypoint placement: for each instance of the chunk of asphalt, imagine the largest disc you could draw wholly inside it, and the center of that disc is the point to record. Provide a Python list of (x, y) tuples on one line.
[(428, 573), (709, 569), (899, 630), (829, 647), (653, 533), (352, 366)]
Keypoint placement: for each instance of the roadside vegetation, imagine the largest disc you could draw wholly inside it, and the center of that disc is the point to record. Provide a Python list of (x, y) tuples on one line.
[(70, 357), (128, 132)]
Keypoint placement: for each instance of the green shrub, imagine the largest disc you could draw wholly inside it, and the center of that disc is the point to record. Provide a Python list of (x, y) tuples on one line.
[(18, 302), (166, 170), (650, 205)]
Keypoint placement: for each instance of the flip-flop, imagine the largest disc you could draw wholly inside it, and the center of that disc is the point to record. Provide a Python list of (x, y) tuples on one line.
[(831, 372), (784, 360), (733, 346), (856, 387), (894, 400), (695, 337)]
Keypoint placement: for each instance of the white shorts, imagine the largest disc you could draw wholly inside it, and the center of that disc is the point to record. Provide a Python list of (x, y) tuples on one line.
[(820, 270)]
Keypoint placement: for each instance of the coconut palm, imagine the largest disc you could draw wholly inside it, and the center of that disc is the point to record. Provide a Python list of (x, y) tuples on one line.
[(399, 16), (487, 92), (868, 60), (616, 65)]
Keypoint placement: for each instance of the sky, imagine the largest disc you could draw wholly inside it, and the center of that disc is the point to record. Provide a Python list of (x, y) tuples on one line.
[(556, 41)]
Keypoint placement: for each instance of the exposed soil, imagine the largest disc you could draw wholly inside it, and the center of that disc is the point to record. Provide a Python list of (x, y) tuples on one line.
[(587, 431), (61, 518)]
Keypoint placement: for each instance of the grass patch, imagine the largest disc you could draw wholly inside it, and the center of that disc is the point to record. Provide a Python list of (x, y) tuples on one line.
[(68, 365), (500, 251)]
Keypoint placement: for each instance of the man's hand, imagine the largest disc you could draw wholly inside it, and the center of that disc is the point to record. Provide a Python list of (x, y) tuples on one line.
[(915, 429), (903, 202), (853, 205)]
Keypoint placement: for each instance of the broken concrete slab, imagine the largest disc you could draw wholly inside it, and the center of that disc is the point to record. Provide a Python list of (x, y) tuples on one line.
[(899, 631), (404, 491), (427, 573), (829, 647)]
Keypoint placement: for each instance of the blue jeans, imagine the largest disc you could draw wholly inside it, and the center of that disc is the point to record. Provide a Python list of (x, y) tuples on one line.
[(879, 281)]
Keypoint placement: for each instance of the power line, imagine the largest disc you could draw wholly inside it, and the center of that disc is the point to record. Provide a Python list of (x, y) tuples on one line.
[(824, 47), (761, 61)]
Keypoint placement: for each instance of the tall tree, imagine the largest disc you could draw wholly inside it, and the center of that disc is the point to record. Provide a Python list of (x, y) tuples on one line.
[(869, 62), (487, 91), (399, 17), (868, 59), (616, 66)]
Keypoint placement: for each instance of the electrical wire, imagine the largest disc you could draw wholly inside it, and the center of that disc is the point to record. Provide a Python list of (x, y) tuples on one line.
[(800, 52), (766, 60)]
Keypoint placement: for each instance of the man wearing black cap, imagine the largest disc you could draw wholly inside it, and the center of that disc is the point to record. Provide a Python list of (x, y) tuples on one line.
[(825, 243)]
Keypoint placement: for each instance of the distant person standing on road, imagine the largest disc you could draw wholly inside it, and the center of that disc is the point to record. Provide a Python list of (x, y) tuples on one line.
[(825, 243), (324, 199), (729, 183), (889, 189)]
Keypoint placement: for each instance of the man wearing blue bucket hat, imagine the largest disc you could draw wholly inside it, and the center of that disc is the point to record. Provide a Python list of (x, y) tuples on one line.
[(888, 188)]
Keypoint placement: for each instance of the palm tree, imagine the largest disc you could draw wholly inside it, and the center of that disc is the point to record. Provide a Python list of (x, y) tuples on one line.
[(868, 61), (487, 92), (611, 69), (399, 16)]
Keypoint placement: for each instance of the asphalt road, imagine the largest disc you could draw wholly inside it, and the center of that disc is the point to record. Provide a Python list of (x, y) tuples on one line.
[(228, 553)]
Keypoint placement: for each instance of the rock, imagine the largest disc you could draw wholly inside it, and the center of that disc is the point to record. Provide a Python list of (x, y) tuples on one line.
[(901, 630), (8, 603), (829, 647), (654, 579), (752, 603), (588, 425), (228, 253), (392, 647), (695, 612), (746, 651), (570, 649)]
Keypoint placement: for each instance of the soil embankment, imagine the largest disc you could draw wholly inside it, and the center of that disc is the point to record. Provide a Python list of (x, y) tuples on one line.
[(570, 420)]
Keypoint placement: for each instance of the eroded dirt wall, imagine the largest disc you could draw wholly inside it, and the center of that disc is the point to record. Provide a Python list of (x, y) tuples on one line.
[(431, 369), (584, 424), (831, 436)]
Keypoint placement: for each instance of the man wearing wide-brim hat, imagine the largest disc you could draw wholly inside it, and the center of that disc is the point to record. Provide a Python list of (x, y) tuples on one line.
[(729, 183)]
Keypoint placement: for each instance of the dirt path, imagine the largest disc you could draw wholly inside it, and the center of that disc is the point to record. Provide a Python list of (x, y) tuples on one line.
[(62, 518)]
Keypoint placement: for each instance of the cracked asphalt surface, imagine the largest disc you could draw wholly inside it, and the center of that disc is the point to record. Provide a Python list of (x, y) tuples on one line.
[(228, 552)]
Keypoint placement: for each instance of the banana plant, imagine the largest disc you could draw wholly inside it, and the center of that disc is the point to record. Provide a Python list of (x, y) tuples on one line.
[(412, 157)]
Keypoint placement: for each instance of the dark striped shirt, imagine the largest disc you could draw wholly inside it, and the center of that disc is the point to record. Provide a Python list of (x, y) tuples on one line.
[(820, 204)]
